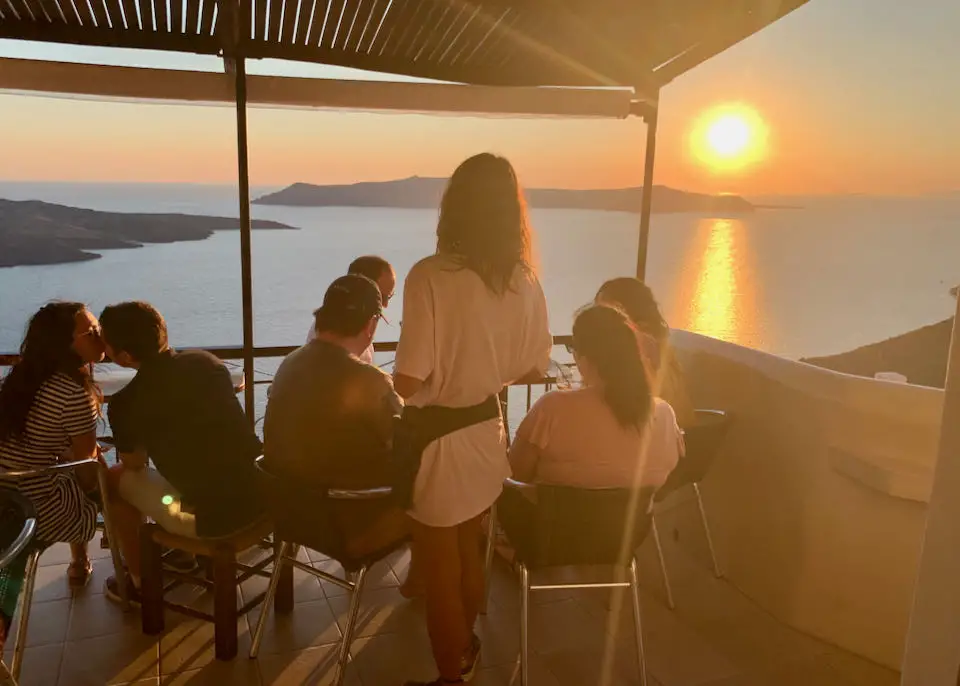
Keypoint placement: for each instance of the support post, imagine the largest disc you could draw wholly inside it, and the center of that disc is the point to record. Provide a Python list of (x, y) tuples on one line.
[(932, 653), (246, 272), (647, 200)]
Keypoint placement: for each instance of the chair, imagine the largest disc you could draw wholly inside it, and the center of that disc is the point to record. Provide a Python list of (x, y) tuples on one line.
[(223, 576), (703, 442), (304, 517), (33, 549), (575, 527), (18, 526)]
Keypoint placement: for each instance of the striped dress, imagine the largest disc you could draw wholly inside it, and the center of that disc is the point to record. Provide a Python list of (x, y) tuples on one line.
[(61, 410)]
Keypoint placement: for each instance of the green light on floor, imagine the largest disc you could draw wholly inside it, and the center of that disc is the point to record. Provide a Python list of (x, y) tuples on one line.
[(167, 500)]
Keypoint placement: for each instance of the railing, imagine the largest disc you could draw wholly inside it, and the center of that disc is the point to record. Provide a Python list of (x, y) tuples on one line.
[(231, 353)]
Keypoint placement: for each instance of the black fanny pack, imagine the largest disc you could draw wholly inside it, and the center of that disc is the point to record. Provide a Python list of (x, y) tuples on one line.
[(417, 428)]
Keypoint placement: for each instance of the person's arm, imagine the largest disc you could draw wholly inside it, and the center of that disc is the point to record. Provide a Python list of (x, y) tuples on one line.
[(538, 341), (120, 412), (415, 350), (528, 445), (79, 417)]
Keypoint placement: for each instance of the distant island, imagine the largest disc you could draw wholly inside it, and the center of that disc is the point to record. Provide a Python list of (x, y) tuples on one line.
[(37, 233), (425, 193)]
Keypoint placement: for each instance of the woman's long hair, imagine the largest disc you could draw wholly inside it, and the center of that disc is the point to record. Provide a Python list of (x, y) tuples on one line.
[(47, 349), (483, 221), (605, 336), (636, 299)]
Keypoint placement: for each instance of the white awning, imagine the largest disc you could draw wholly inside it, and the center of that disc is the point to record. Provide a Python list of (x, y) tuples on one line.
[(90, 81)]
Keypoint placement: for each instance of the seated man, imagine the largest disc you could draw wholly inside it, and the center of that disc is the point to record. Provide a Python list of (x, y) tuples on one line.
[(381, 273), (181, 412), (329, 416)]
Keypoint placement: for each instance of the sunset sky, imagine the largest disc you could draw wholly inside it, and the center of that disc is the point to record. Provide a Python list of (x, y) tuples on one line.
[(856, 96)]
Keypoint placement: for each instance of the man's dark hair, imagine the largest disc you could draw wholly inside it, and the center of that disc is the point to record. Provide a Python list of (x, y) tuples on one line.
[(370, 266), (135, 328)]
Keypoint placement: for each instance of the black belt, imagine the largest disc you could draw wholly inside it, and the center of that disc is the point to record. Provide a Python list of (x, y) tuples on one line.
[(418, 427)]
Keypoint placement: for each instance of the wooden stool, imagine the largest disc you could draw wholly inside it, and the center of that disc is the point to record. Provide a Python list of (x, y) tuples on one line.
[(227, 575)]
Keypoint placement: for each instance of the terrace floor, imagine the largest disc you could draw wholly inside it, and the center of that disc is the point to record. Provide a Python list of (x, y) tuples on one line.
[(715, 637)]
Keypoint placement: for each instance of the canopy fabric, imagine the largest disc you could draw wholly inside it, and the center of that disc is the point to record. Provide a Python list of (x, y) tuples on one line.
[(167, 85), (638, 44)]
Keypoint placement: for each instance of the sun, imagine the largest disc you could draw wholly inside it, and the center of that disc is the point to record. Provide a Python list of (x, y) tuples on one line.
[(728, 138)]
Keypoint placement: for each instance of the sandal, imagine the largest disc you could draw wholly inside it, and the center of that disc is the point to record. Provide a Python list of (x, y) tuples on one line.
[(471, 660), (79, 573)]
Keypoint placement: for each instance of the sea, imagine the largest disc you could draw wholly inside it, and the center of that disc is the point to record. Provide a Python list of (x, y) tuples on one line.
[(824, 277)]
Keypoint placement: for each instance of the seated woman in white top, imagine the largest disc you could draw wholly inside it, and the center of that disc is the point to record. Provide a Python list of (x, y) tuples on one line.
[(612, 432)]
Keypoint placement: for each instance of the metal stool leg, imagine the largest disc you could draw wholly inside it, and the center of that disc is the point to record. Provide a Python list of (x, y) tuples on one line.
[(488, 557), (524, 624), (281, 553), (119, 571), (637, 625), (344, 652), (26, 600), (706, 530), (6, 678), (663, 565)]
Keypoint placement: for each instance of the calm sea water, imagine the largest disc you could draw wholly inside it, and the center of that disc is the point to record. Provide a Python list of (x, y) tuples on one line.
[(823, 279)]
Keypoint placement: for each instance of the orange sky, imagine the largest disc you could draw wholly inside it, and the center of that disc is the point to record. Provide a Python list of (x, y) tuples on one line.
[(850, 107)]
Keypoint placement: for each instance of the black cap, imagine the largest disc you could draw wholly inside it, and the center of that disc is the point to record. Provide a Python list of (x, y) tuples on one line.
[(348, 305)]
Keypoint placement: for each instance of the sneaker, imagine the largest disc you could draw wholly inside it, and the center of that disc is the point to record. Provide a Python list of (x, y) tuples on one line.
[(180, 561), (470, 661), (111, 589)]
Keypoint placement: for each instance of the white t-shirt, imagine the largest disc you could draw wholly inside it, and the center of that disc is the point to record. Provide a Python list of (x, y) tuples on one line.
[(466, 343), (365, 356)]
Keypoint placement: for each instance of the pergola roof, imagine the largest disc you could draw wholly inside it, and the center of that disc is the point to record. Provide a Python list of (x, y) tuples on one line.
[(640, 44)]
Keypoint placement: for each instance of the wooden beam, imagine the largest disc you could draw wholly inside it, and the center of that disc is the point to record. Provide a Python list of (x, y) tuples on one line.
[(132, 83)]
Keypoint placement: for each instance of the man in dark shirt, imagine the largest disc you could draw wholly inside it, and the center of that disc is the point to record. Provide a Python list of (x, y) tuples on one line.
[(329, 417), (180, 411)]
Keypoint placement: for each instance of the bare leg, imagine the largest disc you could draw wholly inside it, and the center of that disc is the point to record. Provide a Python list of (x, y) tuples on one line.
[(472, 585), (126, 524), (446, 620)]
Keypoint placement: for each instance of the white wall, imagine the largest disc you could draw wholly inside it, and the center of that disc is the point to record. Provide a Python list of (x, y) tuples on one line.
[(818, 502)]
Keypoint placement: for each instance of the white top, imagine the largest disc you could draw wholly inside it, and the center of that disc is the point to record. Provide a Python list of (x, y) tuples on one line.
[(466, 343), (365, 356)]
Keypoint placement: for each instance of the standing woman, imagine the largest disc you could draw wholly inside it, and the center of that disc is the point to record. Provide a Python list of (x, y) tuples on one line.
[(474, 320), (49, 408)]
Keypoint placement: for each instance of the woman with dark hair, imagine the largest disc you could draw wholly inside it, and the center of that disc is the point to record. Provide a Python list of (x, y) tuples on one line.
[(49, 408), (636, 299), (610, 433), (474, 320)]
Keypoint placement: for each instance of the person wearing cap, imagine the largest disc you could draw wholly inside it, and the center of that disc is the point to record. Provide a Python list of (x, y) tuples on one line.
[(329, 416), (180, 411), (381, 273)]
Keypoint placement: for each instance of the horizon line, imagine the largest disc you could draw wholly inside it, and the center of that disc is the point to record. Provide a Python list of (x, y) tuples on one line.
[(226, 184)]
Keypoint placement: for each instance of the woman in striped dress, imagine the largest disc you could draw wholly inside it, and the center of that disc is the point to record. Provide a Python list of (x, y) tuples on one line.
[(49, 408)]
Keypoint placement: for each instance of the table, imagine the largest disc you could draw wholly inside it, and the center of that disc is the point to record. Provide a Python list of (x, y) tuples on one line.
[(111, 381)]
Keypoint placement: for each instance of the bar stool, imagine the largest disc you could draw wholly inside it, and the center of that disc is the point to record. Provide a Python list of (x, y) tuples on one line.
[(227, 574), (569, 527), (703, 442), (304, 517)]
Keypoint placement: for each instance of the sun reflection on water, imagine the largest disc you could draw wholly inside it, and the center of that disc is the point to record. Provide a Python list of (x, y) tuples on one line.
[(718, 289)]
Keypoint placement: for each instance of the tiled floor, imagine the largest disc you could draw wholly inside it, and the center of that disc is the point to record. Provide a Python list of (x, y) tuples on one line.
[(715, 637)]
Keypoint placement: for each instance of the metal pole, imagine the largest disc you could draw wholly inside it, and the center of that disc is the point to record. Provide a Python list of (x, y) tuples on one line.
[(246, 273), (645, 205), (932, 653)]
